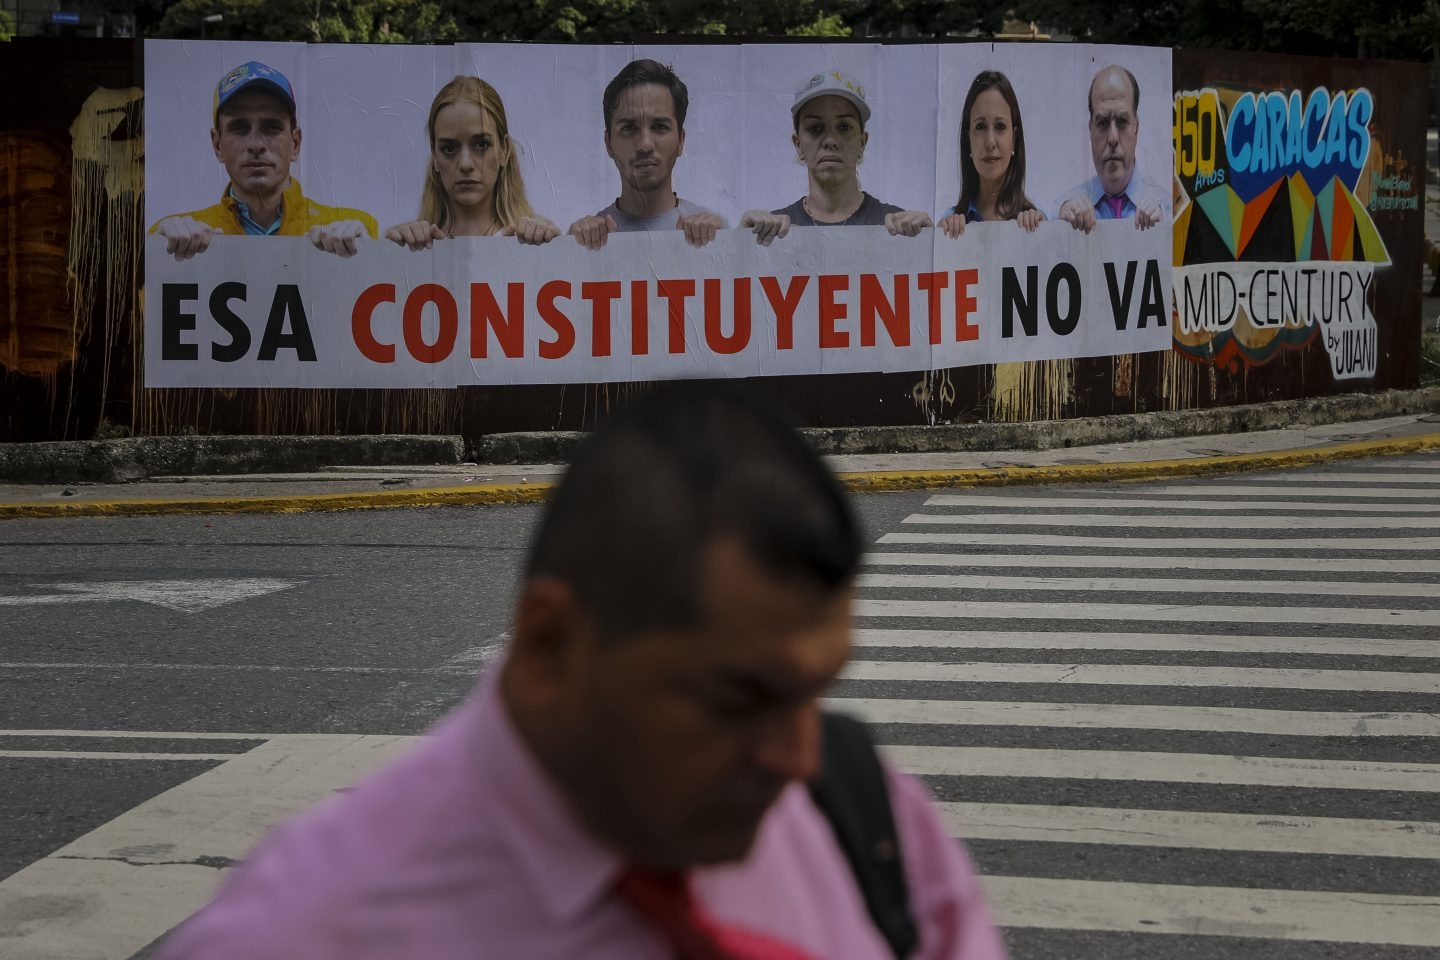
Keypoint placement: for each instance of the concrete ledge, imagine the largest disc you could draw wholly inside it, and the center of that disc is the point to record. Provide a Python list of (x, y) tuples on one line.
[(1128, 428), (502, 493), (555, 447), (119, 461)]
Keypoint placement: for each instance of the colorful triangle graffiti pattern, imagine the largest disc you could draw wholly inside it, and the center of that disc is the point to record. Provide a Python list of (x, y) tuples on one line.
[(1329, 225), (1253, 212)]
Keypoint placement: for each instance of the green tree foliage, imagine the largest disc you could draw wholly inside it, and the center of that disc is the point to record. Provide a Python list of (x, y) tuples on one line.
[(1398, 29), (7, 26), (928, 18), (612, 20), (358, 21), (1403, 29)]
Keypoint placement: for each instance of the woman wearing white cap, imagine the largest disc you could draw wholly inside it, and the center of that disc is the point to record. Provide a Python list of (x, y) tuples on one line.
[(829, 115), (473, 186)]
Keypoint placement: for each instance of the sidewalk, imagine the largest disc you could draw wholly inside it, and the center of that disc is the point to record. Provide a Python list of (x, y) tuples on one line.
[(358, 488)]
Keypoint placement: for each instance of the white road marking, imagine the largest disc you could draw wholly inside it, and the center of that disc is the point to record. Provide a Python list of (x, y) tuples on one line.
[(1213, 911), (1288, 496), (1229, 523), (1300, 480), (108, 755), (1288, 587), (187, 596), (1144, 675), (253, 667), (1203, 831), (964, 640), (1120, 562), (1176, 505), (1127, 716), (483, 653), (1308, 545), (141, 735), (1165, 767), (1161, 613), (113, 891)]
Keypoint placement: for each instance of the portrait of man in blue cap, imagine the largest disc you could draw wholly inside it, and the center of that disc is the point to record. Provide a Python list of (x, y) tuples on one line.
[(257, 139)]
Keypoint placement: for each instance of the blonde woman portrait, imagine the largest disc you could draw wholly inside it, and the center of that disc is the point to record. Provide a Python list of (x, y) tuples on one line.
[(473, 186)]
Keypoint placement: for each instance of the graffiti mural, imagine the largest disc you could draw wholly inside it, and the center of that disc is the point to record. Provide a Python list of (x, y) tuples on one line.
[(1276, 246)]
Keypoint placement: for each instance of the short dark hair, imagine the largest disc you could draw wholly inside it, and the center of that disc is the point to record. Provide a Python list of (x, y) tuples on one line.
[(638, 73), (1134, 89), (679, 469)]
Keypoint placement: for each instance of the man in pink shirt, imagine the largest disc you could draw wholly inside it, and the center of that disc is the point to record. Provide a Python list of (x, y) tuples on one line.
[(631, 782)]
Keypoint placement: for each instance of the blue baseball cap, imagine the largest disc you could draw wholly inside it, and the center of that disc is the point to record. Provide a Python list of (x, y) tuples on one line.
[(253, 75)]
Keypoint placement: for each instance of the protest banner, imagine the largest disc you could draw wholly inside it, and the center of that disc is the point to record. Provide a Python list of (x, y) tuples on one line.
[(280, 308)]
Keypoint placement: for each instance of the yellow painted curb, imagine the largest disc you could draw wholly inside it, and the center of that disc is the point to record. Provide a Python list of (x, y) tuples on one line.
[(1135, 470), (872, 482), (491, 493)]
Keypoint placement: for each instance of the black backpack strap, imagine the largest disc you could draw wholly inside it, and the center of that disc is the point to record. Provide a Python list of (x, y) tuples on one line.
[(852, 793)]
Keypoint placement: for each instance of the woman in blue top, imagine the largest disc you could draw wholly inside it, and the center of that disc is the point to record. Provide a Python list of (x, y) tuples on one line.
[(992, 159)]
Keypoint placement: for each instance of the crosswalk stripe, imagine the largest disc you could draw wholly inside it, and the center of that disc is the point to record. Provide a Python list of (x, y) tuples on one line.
[(1178, 506), (1169, 613), (1151, 562), (1213, 911), (1288, 496), (1011, 762), (1309, 545), (963, 640), (1288, 587), (1358, 478), (1233, 523), (1126, 716), (1182, 828), (1143, 675)]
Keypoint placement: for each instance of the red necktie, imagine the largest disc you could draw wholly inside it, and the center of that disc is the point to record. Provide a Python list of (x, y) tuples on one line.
[(665, 900), (1117, 205)]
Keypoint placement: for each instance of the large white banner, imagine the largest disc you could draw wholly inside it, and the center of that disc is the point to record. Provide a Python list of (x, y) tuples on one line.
[(263, 311), (649, 307)]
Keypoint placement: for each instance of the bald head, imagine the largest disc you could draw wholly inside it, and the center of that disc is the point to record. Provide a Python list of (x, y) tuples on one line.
[(1113, 103)]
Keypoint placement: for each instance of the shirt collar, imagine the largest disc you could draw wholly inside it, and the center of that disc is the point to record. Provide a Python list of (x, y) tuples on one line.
[(567, 869), (291, 197), (1097, 189)]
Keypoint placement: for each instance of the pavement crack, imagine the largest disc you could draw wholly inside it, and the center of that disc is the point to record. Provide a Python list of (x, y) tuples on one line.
[(218, 863)]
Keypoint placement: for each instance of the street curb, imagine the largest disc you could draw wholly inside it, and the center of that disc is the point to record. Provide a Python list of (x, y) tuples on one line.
[(556, 446), (1020, 475), (509, 493), (136, 458)]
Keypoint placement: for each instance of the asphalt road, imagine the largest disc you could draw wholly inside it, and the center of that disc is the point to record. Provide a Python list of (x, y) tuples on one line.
[(248, 629)]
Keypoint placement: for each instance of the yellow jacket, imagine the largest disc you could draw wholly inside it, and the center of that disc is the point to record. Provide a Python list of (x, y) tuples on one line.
[(298, 214)]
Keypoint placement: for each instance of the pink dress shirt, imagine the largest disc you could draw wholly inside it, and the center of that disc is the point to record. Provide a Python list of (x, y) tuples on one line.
[(464, 850)]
